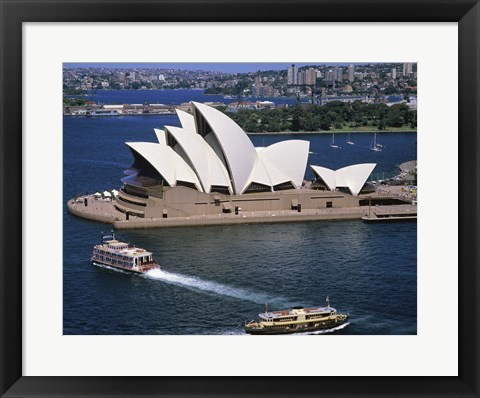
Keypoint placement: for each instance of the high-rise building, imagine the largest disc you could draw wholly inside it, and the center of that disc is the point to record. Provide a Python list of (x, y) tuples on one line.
[(261, 90), (394, 73), (330, 78), (292, 75), (301, 77), (351, 73), (338, 74), (310, 76), (407, 69)]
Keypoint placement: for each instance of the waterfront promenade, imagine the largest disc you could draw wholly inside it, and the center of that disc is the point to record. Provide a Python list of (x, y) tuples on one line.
[(104, 211)]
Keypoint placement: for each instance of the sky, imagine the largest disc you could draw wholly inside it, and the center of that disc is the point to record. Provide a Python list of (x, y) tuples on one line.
[(229, 67)]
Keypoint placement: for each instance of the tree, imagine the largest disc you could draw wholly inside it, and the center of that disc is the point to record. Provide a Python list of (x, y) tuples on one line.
[(325, 123), (394, 118), (296, 115), (390, 90)]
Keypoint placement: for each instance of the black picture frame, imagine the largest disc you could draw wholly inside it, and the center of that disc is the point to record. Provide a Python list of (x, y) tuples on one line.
[(16, 12)]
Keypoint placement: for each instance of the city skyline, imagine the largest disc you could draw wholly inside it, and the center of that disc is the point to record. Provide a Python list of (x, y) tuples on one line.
[(225, 67)]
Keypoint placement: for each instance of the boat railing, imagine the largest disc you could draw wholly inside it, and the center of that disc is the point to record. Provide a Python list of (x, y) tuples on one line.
[(147, 267), (148, 262)]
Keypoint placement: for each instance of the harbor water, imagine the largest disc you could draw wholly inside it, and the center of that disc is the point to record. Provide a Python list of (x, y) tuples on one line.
[(215, 278)]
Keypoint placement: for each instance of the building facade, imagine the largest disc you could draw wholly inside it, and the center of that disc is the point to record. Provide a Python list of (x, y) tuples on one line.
[(292, 75)]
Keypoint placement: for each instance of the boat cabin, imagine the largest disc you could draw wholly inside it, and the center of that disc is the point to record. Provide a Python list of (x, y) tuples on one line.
[(297, 314)]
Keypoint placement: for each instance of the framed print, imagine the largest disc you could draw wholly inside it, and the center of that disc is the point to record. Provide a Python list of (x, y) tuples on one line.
[(236, 120)]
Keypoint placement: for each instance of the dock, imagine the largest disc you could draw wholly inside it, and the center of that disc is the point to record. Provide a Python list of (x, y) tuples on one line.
[(399, 213)]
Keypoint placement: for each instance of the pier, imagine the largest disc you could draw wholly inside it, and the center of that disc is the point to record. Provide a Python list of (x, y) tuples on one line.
[(95, 110), (389, 214)]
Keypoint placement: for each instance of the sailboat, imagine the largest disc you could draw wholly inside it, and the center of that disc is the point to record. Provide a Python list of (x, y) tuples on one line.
[(332, 143), (375, 147), (349, 141)]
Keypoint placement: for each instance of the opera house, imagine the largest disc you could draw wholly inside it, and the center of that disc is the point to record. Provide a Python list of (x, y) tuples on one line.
[(210, 166)]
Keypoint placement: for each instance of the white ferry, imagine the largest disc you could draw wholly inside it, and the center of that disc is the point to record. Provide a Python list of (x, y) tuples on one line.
[(104, 112), (296, 320), (121, 255)]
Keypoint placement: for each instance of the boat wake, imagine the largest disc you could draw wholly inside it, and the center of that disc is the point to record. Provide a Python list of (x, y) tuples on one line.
[(230, 332), (198, 284), (324, 331), (333, 329)]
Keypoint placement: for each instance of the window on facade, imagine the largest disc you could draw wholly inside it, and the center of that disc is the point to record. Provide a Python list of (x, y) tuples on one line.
[(256, 187)]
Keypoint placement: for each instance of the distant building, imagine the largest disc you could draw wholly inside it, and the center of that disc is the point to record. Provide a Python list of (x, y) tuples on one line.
[(292, 75), (394, 73), (260, 90), (359, 75), (338, 74), (407, 69), (301, 77), (310, 76), (330, 78), (351, 73), (265, 105)]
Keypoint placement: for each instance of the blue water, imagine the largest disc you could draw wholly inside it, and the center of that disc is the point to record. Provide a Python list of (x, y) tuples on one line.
[(176, 97), (215, 278), (173, 97)]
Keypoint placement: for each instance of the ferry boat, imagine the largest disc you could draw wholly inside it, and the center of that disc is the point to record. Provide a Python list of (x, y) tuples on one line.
[(121, 255), (296, 320), (104, 112)]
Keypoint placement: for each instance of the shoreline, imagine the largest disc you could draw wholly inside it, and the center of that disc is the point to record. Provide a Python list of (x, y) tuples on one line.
[(104, 212)]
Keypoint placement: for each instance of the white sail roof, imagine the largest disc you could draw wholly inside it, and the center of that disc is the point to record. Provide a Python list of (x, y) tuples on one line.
[(327, 175), (166, 162), (290, 157), (266, 173), (202, 158), (211, 150), (352, 177), (160, 136), (238, 151), (186, 120), (259, 175), (274, 173)]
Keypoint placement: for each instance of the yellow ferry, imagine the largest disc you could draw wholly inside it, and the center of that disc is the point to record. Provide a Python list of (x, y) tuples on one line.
[(296, 320)]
